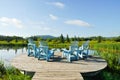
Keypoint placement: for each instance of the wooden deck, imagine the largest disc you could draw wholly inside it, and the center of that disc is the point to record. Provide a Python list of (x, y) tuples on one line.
[(57, 68)]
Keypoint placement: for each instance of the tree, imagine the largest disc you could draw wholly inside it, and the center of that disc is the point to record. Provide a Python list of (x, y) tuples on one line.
[(15, 38), (72, 39), (117, 39), (67, 39), (48, 39), (99, 39), (62, 39), (80, 39), (75, 38)]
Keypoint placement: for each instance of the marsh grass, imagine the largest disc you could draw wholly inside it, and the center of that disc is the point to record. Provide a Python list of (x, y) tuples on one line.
[(110, 51), (11, 73), (13, 43)]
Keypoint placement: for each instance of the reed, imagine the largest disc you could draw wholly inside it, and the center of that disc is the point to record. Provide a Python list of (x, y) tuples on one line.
[(11, 73)]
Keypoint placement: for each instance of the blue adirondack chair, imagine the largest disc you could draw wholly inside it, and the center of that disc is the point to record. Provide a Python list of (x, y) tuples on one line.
[(84, 50), (71, 54), (31, 48), (44, 52)]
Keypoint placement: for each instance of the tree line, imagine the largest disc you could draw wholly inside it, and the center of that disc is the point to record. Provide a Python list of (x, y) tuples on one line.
[(60, 39), (10, 38)]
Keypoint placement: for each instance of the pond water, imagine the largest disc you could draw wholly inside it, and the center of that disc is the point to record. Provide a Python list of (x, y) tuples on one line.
[(7, 54)]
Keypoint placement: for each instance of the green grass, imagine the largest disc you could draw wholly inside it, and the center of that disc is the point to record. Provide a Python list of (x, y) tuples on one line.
[(13, 43), (110, 51), (11, 73)]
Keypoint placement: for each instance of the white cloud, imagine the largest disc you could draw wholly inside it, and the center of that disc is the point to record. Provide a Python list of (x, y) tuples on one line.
[(78, 23), (5, 21), (53, 17), (57, 4)]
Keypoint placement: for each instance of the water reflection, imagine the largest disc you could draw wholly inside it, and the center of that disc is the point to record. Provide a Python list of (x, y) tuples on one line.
[(8, 53)]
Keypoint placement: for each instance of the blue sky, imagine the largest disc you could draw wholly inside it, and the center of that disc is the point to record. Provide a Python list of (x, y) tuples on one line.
[(81, 18)]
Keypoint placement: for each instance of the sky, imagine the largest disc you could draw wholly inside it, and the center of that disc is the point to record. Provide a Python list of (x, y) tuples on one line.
[(83, 18)]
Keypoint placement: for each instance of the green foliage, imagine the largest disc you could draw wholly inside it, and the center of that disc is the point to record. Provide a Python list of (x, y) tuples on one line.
[(11, 73), (62, 39), (99, 39), (75, 38), (58, 45), (117, 39), (10, 38), (2, 70), (110, 75), (110, 51), (14, 74), (67, 39), (48, 40), (13, 43)]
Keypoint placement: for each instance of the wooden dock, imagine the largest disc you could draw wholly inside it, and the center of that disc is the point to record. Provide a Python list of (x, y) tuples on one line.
[(57, 68)]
